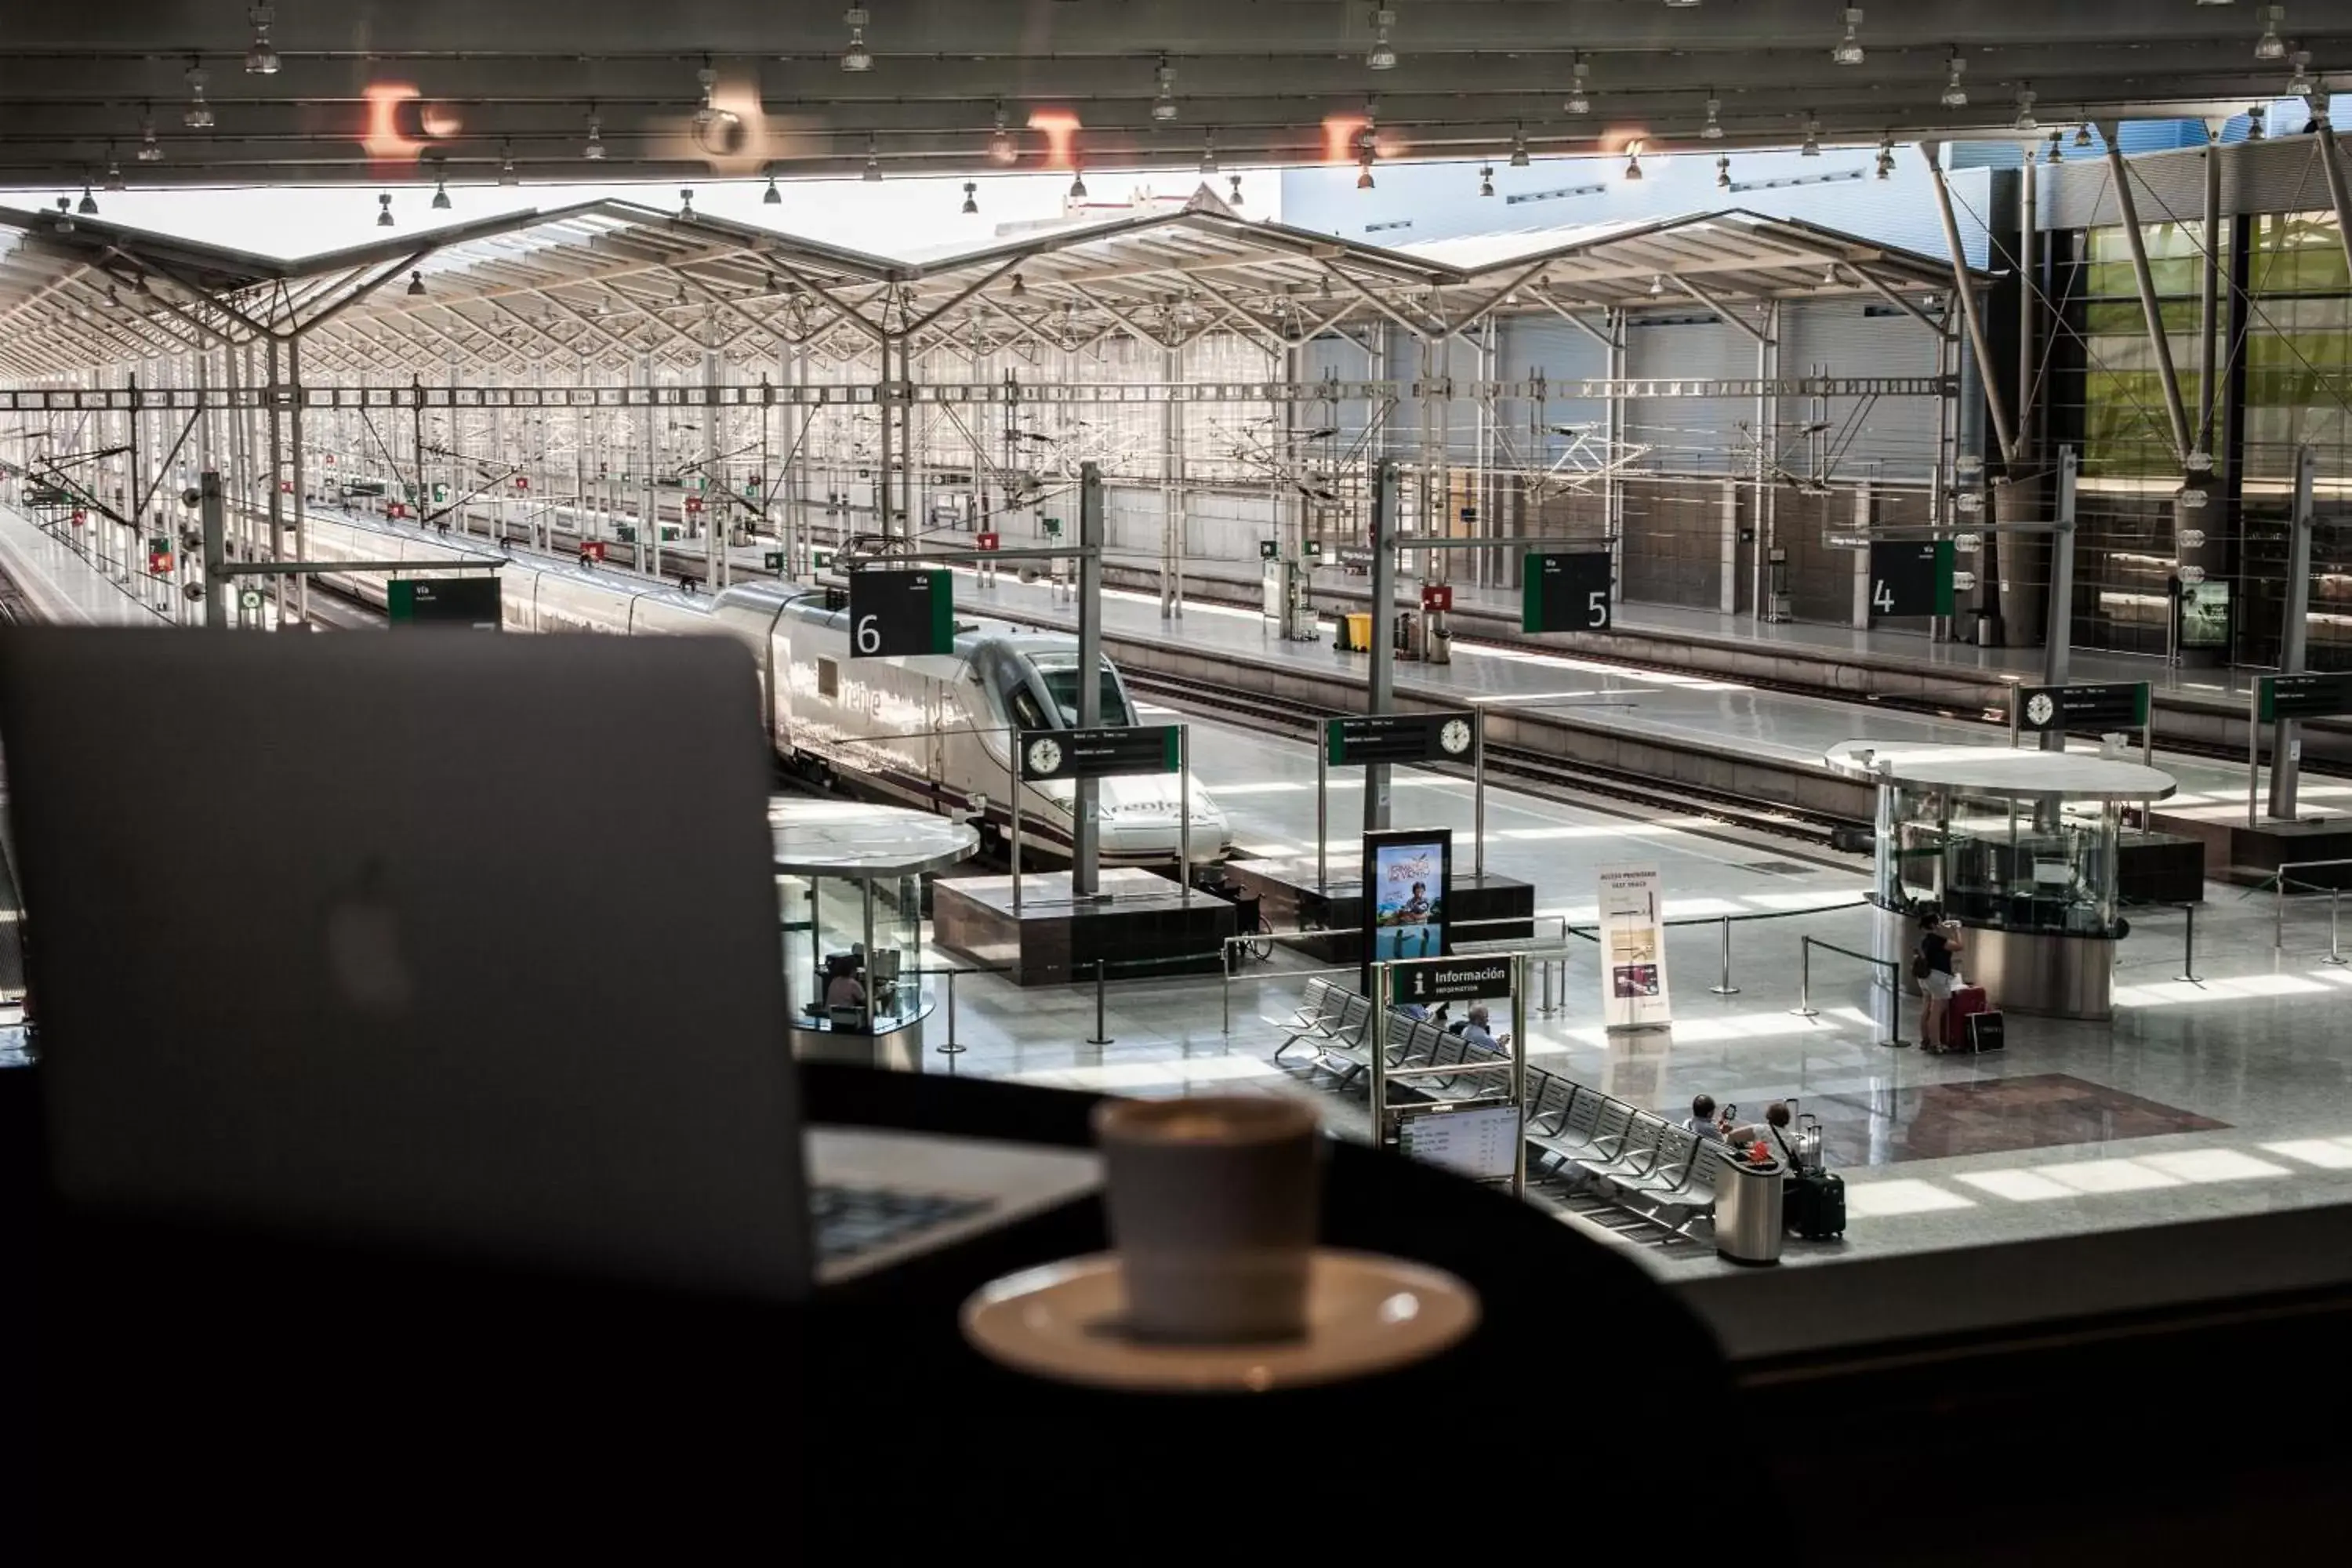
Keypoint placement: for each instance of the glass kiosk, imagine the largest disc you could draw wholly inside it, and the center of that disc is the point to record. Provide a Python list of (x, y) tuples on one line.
[(849, 887), (2021, 849)]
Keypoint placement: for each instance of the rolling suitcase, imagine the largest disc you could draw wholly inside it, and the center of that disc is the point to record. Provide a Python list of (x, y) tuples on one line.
[(1985, 1032), (1966, 1001), (1816, 1204)]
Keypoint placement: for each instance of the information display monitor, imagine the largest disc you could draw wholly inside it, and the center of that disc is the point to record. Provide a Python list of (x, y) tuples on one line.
[(1407, 884)]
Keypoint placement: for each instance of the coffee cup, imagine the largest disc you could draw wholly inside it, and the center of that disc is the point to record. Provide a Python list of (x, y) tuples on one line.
[(1214, 1205)]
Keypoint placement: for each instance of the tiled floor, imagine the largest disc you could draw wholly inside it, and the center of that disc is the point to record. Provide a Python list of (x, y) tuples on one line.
[(2227, 1096)]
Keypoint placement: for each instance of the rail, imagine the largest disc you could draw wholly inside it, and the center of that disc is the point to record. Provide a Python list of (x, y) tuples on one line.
[(2282, 885)]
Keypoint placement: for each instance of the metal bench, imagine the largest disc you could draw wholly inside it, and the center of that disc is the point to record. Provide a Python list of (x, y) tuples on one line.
[(1317, 1016)]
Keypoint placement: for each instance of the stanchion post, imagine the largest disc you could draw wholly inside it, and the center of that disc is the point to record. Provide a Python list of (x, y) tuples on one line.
[(1380, 1075), (1727, 988), (2335, 953), (1804, 1007), (952, 1048), (1012, 832), (1102, 1035), (2278, 915), (1478, 794), (1519, 1071), (2188, 947), (1322, 801), (1226, 981), (1184, 810)]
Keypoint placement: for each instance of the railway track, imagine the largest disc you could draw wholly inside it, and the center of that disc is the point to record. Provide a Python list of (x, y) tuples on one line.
[(1598, 789)]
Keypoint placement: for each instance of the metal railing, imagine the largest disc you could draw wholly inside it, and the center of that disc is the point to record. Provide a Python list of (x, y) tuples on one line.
[(2282, 885), (1805, 1009)]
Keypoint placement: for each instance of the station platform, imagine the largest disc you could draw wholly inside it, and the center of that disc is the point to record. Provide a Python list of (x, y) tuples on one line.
[(1723, 735), (62, 585)]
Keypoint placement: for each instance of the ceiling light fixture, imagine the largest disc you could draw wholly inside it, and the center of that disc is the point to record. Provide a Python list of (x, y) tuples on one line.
[(1657, 285), (1848, 51), (593, 152), (2258, 123), (1713, 129), (873, 173), (416, 285), (2057, 148), (1364, 172), (1020, 290), (114, 181), (2269, 46), (1487, 180), (1813, 147), (507, 175), (1383, 56), (65, 225), (1579, 87), (1077, 183), (2082, 136), (1886, 157), (384, 212), (1001, 149), (1520, 159), (772, 197), (1634, 161), (1830, 279), (2299, 85), (856, 56), (1955, 95), (2025, 121), (440, 192), (199, 114), (1208, 152), (1235, 200), (89, 207), (970, 199), (261, 57), (684, 215), (1723, 173), (149, 150), (705, 113), (1163, 108)]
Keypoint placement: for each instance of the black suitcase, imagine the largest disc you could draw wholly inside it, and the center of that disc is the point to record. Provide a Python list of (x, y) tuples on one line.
[(1985, 1032), (1816, 1204)]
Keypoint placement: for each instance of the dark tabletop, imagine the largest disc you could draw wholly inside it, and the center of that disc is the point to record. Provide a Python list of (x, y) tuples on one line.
[(192, 1383)]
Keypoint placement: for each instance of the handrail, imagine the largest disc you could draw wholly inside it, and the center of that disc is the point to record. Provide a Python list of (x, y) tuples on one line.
[(2280, 895)]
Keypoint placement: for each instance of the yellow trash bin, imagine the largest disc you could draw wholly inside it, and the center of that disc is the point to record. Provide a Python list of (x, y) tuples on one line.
[(1357, 636)]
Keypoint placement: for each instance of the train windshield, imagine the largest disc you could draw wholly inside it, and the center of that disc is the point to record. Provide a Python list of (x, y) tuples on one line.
[(1059, 675)]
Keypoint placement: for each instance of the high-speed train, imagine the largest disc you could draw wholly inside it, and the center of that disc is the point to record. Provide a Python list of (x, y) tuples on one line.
[(929, 732)]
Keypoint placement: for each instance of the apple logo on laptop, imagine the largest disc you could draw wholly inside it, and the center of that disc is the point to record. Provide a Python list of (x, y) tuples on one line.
[(364, 952)]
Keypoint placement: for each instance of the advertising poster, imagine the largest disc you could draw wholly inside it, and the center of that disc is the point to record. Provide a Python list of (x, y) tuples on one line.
[(1632, 949), (1406, 888)]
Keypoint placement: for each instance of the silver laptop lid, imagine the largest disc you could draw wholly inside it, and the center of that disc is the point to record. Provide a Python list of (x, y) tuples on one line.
[(457, 940)]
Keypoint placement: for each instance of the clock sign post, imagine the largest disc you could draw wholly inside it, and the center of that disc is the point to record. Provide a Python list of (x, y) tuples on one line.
[(2096, 707), (1374, 739), (899, 615), (1098, 751)]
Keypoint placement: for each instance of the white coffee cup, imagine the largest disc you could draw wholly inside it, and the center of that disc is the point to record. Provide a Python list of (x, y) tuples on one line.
[(1214, 1205)]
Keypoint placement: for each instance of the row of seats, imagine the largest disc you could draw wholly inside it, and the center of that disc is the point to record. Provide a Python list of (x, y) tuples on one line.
[(1333, 1025), (1655, 1169)]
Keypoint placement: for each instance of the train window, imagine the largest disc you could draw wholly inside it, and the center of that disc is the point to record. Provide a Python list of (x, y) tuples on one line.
[(828, 678), (1061, 678), (1026, 714)]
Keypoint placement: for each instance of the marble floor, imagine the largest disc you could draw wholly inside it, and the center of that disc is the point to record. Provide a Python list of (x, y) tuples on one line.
[(2228, 1094)]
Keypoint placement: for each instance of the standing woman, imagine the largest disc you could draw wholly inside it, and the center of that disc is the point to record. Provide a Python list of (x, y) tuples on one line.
[(1939, 941)]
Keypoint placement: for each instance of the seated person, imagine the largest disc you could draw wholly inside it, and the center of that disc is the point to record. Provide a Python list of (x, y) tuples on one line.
[(1704, 1122), (845, 989), (1475, 1032)]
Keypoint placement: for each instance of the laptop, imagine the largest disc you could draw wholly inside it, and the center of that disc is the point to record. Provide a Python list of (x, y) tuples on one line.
[(448, 941)]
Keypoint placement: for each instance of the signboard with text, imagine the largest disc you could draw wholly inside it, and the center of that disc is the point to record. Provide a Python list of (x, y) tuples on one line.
[(897, 615), (1632, 949), (1361, 739), (470, 604), (1407, 883), (1910, 577), (1098, 752), (2313, 696), (2104, 705), (1566, 592)]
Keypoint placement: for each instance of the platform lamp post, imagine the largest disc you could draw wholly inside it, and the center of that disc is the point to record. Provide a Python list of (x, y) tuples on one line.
[(1084, 829), (1381, 696)]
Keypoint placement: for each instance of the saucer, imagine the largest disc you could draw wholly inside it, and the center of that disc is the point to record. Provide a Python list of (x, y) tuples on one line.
[(1365, 1314)]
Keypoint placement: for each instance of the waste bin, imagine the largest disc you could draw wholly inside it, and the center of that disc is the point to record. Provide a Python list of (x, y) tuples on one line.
[(1748, 1214), (1355, 633)]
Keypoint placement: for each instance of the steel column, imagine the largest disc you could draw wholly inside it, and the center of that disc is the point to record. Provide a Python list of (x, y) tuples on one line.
[(2285, 733), (2128, 209), (1963, 291), (1381, 694), (1085, 828), (2057, 640)]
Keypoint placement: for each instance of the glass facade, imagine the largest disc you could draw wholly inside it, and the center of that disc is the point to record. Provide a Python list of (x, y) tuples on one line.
[(2283, 339)]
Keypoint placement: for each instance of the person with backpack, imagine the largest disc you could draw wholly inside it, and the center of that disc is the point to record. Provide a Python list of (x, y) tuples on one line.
[(1931, 965)]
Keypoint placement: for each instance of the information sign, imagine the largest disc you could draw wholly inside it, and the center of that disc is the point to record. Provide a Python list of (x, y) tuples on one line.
[(2104, 705), (1428, 982), (1910, 577), (1566, 592), (1098, 752), (896, 615), (1480, 1142), (1365, 738), (1436, 598), (469, 602), (2314, 696), (1632, 949), (774, 560)]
